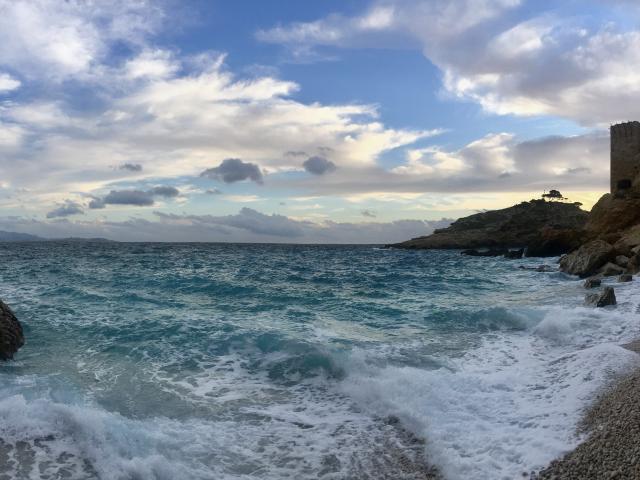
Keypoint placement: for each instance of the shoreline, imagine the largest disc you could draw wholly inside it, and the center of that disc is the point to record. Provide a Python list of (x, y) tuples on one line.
[(611, 423)]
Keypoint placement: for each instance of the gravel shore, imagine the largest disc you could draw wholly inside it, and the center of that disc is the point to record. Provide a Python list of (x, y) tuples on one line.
[(612, 449)]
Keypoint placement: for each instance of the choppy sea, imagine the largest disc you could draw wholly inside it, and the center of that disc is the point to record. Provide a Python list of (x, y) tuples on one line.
[(222, 361)]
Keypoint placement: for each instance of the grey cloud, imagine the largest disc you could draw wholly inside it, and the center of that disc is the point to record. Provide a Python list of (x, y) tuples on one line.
[(213, 191), (368, 213), (251, 221), (96, 203), (578, 170), (68, 208), (318, 165), (132, 167), (298, 153), (129, 197), (165, 191), (233, 170), (141, 198)]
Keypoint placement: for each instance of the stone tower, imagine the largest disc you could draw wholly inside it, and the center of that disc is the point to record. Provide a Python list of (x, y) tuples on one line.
[(625, 155)]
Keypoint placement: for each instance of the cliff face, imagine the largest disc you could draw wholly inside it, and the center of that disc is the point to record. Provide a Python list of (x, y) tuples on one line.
[(517, 226)]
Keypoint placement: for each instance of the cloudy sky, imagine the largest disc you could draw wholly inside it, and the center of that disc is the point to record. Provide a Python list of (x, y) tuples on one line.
[(290, 121)]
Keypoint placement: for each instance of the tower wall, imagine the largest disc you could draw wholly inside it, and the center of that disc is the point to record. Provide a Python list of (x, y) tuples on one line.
[(625, 155)]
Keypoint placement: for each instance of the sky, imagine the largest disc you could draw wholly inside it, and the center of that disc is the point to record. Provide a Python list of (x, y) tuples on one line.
[(351, 121)]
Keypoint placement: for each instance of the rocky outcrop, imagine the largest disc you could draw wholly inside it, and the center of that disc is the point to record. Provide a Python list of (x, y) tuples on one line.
[(11, 335), (517, 227), (625, 277), (603, 299), (614, 213), (588, 259)]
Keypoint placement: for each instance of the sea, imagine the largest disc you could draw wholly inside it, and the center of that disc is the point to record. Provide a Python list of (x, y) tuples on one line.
[(248, 361)]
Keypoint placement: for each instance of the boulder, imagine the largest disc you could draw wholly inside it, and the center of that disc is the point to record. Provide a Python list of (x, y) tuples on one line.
[(602, 299), (586, 261), (610, 270), (592, 282), (633, 266), (625, 277), (11, 335), (628, 241), (622, 261)]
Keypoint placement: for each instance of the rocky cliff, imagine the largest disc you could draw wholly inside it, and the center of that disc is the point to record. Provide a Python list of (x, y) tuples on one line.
[(610, 242), (546, 226)]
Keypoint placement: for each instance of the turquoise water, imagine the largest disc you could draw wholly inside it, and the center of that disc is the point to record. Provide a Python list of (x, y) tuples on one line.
[(211, 361)]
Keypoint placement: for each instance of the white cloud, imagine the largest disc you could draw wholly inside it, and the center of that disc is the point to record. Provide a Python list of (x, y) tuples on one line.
[(53, 40), (8, 83), (182, 124), (151, 64), (525, 64)]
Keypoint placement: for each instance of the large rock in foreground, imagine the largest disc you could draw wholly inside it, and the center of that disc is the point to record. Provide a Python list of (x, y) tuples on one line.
[(11, 335), (588, 258), (516, 226)]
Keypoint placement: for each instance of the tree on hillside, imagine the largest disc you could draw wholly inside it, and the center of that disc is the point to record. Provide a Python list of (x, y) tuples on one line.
[(553, 195)]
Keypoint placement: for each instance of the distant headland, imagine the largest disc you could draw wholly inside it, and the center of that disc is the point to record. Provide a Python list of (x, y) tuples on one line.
[(549, 228)]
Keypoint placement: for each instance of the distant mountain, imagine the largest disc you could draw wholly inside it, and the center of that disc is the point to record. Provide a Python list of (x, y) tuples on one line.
[(81, 240), (26, 237), (19, 237)]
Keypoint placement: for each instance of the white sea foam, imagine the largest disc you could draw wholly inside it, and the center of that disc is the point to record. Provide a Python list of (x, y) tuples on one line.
[(512, 404)]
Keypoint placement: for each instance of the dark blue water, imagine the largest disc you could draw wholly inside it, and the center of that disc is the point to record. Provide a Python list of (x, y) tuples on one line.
[(264, 361)]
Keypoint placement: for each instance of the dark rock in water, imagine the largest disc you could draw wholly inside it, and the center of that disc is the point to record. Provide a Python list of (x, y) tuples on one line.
[(610, 270), (510, 227), (544, 268), (587, 259), (592, 282), (602, 299), (539, 268), (514, 254), (625, 277), (11, 335), (493, 252), (553, 242)]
